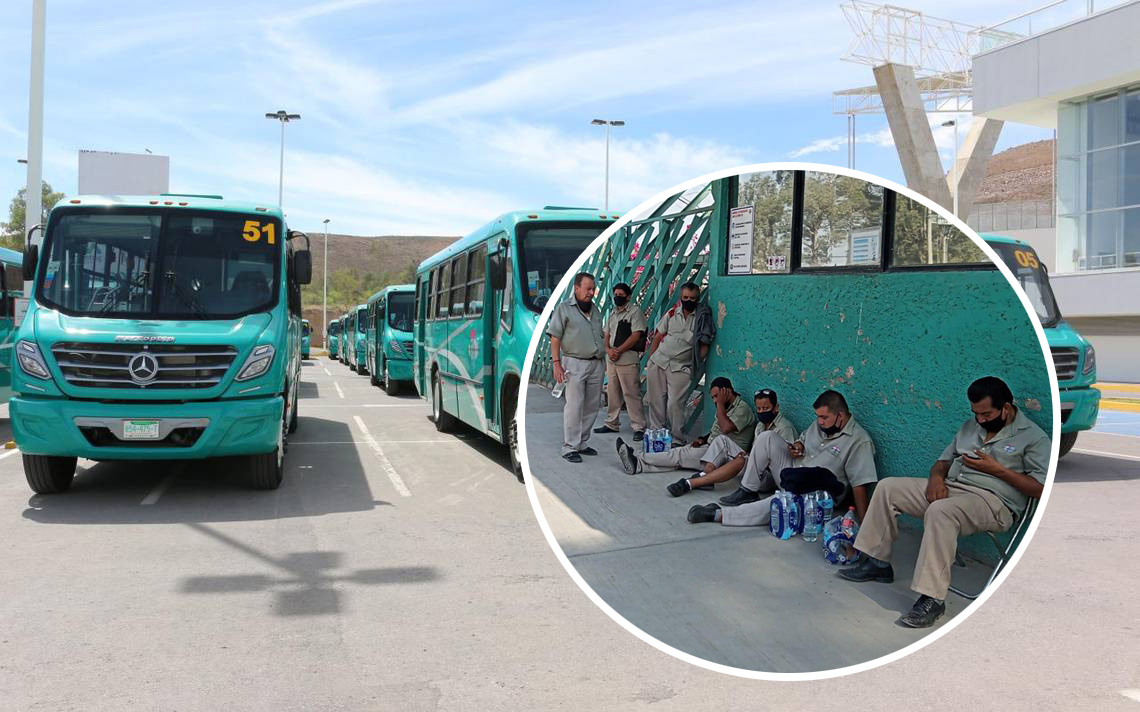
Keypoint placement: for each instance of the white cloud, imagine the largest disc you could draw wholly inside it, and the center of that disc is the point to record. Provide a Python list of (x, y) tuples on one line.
[(881, 138)]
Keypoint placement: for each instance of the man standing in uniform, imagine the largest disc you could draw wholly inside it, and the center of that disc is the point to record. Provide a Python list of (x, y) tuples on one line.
[(576, 349), (732, 429), (671, 364), (624, 334), (981, 482)]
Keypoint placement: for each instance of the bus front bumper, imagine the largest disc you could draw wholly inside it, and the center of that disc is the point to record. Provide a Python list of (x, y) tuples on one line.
[(399, 369), (1079, 409), (52, 426)]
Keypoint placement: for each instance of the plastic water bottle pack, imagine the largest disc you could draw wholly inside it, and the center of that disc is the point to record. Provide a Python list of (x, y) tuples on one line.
[(785, 511), (839, 536)]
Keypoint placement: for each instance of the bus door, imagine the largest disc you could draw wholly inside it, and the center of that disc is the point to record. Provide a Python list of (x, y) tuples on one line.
[(10, 282), (423, 288), (467, 339), (495, 318)]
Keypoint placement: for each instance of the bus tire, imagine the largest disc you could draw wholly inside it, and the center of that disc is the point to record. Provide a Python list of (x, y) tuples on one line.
[(1068, 440), (266, 470), (510, 405), (372, 377), (49, 474), (444, 421), (390, 387), (293, 418)]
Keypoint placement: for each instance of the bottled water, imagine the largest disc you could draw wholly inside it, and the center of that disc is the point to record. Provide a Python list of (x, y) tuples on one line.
[(659, 440), (557, 390), (813, 518), (782, 511), (849, 526), (797, 513), (827, 503), (667, 440)]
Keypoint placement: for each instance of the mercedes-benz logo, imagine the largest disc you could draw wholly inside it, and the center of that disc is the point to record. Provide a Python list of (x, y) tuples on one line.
[(143, 368)]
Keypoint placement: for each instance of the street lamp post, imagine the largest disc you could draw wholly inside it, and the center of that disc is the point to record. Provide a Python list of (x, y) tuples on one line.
[(325, 290), (284, 117), (33, 197), (607, 123), (954, 123)]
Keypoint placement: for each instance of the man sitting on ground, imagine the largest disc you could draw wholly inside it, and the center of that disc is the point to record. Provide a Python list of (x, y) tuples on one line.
[(732, 428), (733, 457), (981, 482), (834, 454)]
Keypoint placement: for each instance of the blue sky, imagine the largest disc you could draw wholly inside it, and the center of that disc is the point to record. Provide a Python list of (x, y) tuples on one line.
[(431, 118)]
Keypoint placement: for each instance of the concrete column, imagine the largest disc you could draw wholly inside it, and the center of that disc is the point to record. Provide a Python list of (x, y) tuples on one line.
[(910, 128), (973, 157)]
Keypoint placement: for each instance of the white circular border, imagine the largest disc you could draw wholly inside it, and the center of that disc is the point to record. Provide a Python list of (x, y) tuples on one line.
[(790, 676)]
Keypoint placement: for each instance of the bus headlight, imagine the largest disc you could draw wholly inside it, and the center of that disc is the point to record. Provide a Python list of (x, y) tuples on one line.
[(31, 361), (1090, 360), (257, 363), (395, 347)]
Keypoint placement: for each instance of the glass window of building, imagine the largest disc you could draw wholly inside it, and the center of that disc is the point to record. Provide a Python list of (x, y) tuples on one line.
[(842, 221), (770, 195), (923, 237)]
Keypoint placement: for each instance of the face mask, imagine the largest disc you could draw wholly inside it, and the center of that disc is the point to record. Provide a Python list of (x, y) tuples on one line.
[(831, 430), (688, 305), (766, 417), (620, 301), (585, 306), (994, 425)]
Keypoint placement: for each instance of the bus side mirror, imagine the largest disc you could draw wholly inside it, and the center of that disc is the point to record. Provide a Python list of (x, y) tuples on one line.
[(303, 266), (31, 258), (498, 271)]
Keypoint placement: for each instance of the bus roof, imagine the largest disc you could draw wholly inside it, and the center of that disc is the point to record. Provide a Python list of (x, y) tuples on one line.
[(304, 321), (1004, 239), (190, 202), (391, 288), (11, 257), (508, 221)]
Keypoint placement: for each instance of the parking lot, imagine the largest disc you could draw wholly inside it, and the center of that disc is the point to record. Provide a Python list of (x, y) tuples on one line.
[(175, 587)]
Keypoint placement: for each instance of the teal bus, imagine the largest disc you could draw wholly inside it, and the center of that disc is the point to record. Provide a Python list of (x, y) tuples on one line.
[(477, 305), (332, 336), (12, 288), (355, 333), (306, 338), (159, 328), (1074, 358), (389, 337)]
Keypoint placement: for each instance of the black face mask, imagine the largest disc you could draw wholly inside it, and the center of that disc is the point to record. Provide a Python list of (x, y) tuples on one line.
[(766, 417), (620, 301), (832, 430), (688, 305), (585, 306), (994, 425)]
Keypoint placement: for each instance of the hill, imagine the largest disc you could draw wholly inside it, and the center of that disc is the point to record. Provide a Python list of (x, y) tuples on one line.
[(1023, 172)]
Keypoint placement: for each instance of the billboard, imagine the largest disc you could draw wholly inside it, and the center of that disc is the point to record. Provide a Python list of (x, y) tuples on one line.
[(114, 173)]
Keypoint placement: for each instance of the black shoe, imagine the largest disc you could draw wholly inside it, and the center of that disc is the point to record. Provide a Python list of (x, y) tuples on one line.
[(679, 487), (700, 513), (629, 462), (923, 613), (740, 496), (572, 457), (605, 429), (587, 451), (867, 570), (638, 435), (696, 474)]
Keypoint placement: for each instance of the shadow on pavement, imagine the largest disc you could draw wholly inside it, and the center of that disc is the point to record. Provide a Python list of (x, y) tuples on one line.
[(1082, 467)]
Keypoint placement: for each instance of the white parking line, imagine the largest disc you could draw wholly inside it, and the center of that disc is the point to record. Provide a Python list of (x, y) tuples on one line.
[(1132, 693), (365, 442), (339, 392), (159, 490), (384, 463), (327, 372), (1106, 454), (9, 453)]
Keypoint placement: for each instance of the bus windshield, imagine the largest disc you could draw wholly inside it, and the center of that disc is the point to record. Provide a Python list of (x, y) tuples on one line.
[(165, 265), (362, 320), (1031, 275), (334, 328), (400, 310), (546, 251)]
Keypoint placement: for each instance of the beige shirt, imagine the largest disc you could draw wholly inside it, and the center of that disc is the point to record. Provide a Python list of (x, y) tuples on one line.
[(580, 334), (636, 320), (1020, 446), (676, 350), (781, 425), (849, 454), (742, 415)]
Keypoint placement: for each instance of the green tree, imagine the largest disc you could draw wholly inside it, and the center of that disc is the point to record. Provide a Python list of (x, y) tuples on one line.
[(12, 232)]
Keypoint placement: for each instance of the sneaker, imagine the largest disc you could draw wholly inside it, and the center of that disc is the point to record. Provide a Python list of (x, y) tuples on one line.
[(867, 570), (923, 613), (605, 429), (679, 487), (587, 451), (638, 435), (702, 513), (740, 496), (572, 457), (629, 462)]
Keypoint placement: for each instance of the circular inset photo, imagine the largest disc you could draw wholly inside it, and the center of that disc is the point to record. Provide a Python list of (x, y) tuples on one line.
[(791, 421)]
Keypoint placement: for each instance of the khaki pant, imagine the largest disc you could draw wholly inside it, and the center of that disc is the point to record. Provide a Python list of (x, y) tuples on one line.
[(666, 393), (752, 514), (623, 386), (966, 510), (583, 400), (767, 460), (690, 457)]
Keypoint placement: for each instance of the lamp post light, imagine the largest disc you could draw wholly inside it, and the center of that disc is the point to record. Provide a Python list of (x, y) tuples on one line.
[(284, 117), (607, 123), (325, 290)]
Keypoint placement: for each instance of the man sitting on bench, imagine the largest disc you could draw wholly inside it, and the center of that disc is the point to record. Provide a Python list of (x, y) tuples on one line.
[(981, 482)]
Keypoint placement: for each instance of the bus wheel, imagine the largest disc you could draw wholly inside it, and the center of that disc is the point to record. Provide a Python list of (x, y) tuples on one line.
[(372, 377), (49, 474), (444, 421), (510, 405), (390, 387), (293, 418), (266, 470), (1068, 440)]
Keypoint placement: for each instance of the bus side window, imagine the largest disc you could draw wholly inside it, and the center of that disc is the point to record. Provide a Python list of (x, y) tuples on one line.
[(14, 281), (429, 296), (419, 298), (476, 276), (458, 284), (442, 294), (6, 300)]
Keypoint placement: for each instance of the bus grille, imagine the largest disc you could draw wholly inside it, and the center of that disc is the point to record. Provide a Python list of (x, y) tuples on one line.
[(91, 365), (1065, 361)]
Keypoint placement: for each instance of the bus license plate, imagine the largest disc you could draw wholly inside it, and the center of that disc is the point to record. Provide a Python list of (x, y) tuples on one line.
[(140, 430)]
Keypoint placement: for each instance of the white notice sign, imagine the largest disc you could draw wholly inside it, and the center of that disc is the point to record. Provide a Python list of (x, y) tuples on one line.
[(740, 222)]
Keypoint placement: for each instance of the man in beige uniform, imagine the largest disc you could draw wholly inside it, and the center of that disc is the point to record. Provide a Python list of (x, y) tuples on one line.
[(836, 453), (577, 349), (981, 482), (732, 428), (734, 457), (671, 364), (623, 364)]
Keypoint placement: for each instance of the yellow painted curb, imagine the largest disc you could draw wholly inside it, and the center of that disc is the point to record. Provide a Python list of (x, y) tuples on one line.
[(1127, 387), (1126, 406), (10, 445)]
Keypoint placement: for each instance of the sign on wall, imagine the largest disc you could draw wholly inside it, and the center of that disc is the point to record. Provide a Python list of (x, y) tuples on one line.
[(740, 224)]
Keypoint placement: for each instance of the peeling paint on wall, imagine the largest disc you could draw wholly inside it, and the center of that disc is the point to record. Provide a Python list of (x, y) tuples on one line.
[(721, 313)]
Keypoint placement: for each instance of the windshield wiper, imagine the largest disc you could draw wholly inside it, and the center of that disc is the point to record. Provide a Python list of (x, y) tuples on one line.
[(112, 298)]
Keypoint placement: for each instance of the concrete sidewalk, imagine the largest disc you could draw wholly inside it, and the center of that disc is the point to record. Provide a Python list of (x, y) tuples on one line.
[(736, 596)]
